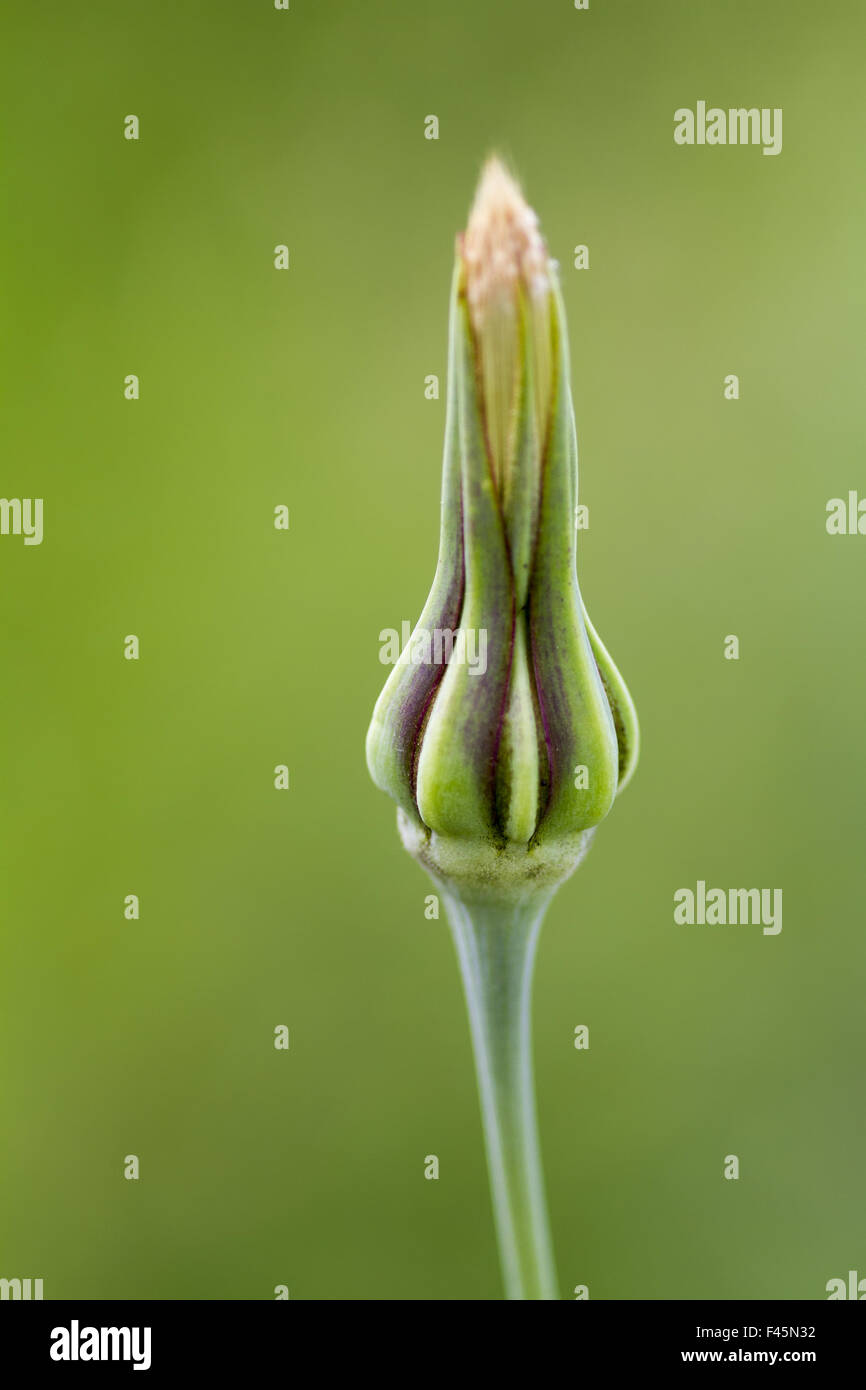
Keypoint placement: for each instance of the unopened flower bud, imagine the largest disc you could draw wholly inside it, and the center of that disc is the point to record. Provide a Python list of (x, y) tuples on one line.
[(502, 773)]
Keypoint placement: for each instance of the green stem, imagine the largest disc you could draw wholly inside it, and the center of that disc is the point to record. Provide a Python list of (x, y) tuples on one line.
[(496, 949)]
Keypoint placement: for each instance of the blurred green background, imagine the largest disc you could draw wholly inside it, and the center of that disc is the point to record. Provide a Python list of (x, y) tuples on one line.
[(260, 647)]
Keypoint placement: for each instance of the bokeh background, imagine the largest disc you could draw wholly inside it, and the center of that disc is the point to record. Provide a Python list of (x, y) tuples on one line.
[(259, 647)]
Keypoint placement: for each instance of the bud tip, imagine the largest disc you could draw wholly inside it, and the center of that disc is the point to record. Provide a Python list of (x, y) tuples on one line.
[(502, 245)]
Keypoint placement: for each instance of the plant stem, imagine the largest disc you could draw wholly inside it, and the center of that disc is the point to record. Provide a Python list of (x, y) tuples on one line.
[(496, 949)]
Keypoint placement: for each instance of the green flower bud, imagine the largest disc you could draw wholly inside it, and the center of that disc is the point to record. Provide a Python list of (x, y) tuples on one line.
[(503, 769)]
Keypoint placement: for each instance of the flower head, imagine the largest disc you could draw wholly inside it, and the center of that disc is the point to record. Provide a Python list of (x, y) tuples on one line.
[(502, 774)]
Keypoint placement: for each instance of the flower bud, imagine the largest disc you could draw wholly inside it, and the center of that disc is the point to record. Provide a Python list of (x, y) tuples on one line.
[(502, 772)]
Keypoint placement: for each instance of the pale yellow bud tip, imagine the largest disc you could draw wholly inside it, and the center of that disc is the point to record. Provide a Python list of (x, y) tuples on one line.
[(502, 246), (506, 269)]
